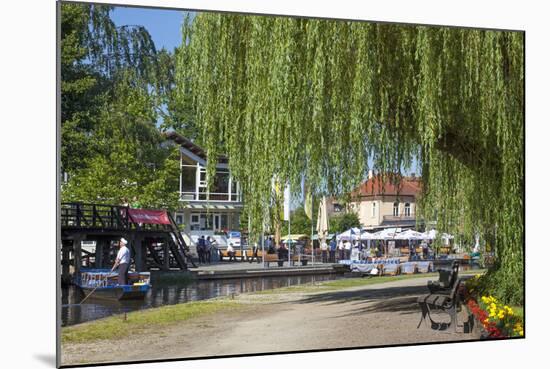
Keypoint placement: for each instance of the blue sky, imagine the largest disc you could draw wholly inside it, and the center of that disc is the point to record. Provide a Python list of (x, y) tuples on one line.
[(164, 26)]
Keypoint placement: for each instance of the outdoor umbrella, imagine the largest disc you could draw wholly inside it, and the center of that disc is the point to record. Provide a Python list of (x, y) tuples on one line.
[(350, 234), (409, 234), (322, 220), (385, 234), (429, 235), (365, 236)]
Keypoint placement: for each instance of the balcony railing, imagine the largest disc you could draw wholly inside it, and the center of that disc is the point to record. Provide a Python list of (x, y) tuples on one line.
[(210, 196), (396, 218)]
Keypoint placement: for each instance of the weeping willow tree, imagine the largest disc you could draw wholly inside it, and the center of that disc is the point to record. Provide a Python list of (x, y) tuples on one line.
[(289, 98)]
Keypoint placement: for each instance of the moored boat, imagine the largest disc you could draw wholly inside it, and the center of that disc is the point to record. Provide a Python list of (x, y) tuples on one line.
[(103, 284)]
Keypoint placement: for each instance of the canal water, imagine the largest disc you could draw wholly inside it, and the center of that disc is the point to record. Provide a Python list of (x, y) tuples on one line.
[(172, 293)]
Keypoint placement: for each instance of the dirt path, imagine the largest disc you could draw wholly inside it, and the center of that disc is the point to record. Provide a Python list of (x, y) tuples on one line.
[(372, 315)]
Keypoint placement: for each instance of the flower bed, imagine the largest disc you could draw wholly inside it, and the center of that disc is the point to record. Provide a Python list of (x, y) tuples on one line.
[(496, 319)]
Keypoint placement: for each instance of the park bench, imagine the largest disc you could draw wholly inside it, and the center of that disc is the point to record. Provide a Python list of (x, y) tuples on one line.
[(273, 258), (446, 280), (447, 303), (238, 254)]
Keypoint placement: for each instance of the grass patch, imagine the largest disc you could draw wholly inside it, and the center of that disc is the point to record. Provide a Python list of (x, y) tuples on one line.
[(139, 321)]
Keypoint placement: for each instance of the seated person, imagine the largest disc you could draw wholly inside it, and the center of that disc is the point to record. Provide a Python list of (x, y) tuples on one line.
[(282, 252), (231, 252)]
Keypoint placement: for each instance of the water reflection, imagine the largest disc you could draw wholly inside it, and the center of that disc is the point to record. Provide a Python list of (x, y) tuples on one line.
[(167, 294)]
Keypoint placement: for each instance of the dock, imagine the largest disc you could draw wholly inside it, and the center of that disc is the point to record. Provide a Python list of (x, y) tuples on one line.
[(228, 270)]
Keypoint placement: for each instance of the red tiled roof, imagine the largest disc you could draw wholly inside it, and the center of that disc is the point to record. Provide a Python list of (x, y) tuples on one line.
[(376, 186)]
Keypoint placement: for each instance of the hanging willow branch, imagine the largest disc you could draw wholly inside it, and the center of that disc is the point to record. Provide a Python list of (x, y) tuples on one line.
[(288, 97)]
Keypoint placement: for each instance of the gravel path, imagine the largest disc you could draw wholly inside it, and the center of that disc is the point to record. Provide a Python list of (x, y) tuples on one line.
[(380, 314)]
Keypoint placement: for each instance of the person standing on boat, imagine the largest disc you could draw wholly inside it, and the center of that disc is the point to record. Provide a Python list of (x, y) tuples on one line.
[(122, 261)]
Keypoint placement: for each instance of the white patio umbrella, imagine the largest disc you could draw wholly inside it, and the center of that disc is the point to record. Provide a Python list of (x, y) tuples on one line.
[(322, 220), (409, 234), (429, 235), (385, 234), (365, 236), (350, 234)]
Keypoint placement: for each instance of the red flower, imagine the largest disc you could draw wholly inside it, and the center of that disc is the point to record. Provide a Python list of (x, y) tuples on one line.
[(482, 316)]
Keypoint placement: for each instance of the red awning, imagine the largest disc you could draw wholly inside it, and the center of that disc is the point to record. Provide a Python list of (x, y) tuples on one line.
[(148, 216)]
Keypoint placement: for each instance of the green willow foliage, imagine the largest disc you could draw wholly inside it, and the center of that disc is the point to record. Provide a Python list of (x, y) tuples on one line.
[(291, 97)]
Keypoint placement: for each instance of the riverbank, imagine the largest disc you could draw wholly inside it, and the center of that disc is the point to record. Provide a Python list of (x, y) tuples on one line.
[(345, 313)]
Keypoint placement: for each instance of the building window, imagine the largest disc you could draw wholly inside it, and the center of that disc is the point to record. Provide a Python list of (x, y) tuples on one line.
[(373, 209), (188, 178), (407, 209), (395, 209), (179, 219), (220, 187)]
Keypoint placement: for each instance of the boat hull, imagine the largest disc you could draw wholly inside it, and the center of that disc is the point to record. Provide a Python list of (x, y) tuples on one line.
[(124, 292)]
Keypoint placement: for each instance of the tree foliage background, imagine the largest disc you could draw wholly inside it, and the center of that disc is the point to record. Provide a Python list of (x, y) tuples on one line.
[(115, 88), (289, 97)]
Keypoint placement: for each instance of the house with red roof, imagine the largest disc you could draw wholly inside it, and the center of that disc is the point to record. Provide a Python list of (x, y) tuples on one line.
[(384, 201)]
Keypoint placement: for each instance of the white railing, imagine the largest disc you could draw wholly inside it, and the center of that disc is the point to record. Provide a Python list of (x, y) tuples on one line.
[(210, 196)]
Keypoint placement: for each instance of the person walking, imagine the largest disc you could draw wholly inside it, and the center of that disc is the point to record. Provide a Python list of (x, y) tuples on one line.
[(347, 248), (208, 250), (341, 250), (214, 250), (231, 252), (254, 253), (332, 251), (282, 252), (200, 249), (270, 246), (324, 249), (122, 261)]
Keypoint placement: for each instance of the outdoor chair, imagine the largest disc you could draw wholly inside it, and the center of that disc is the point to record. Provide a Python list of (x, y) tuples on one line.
[(443, 302)]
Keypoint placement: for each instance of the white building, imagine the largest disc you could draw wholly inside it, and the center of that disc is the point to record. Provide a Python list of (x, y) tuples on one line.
[(203, 211)]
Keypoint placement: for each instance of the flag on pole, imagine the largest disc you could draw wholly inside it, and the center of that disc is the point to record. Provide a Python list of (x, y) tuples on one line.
[(287, 203), (308, 205)]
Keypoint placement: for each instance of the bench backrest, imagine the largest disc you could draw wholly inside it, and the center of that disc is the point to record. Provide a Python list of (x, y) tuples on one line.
[(448, 277), (454, 291)]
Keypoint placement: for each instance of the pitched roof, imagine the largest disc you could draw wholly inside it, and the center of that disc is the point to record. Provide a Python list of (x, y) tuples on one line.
[(379, 186), (191, 146)]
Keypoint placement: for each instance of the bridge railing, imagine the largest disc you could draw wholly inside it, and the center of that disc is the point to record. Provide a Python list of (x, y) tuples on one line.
[(81, 215), (115, 217)]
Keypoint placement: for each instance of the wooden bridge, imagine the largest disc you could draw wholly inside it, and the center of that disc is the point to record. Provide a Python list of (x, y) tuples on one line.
[(154, 238)]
